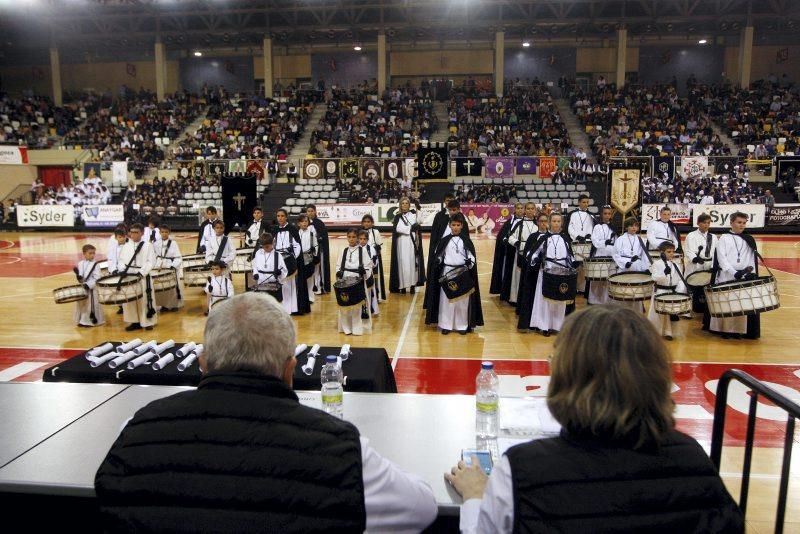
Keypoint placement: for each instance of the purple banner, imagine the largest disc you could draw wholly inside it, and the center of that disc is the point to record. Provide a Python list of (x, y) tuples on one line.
[(526, 165), (499, 167), (486, 219)]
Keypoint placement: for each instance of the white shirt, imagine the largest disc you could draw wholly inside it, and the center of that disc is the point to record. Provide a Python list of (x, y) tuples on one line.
[(208, 233), (308, 240), (658, 232), (212, 246), (580, 224), (113, 256), (733, 254), (252, 236), (221, 287), (375, 237), (600, 234), (672, 279), (168, 255), (520, 234), (88, 273), (264, 266), (495, 512), (143, 262), (625, 247), (692, 249)]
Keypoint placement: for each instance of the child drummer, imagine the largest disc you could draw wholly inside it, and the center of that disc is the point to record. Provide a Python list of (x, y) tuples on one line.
[(354, 263), (630, 255), (668, 277), (219, 286), (88, 312)]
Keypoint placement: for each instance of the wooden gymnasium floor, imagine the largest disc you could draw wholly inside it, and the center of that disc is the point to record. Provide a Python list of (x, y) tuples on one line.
[(37, 332)]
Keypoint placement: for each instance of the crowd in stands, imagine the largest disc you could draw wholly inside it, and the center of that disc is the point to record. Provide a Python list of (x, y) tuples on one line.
[(88, 192), (164, 193), (646, 121), (358, 123), (524, 122), (485, 193), (129, 127), (253, 127), (374, 189), (731, 188)]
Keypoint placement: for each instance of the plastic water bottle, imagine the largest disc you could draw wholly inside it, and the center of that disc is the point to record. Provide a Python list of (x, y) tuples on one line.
[(332, 391), (486, 402)]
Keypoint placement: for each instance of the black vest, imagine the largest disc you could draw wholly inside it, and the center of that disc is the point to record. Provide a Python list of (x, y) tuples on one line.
[(567, 485), (239, 454)]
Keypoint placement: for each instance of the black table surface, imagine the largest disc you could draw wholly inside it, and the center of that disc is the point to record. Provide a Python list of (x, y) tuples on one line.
[(367, 370)]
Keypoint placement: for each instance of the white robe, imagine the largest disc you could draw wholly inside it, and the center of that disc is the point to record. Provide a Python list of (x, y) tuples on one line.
[(663, 323), (264, 267), (454, 315), (309, 248), (83, 308), (733, 254), (208, 233), (218, 288), (136, 311), (696, 245), (349, 318), (517, 238), (625, 247), (228, 254), (658, 232), (154, 233), (581, 224), (168, 256), (598, 291), (285, 241), (113, 255), (549, 314), (251, 236), (407, 271)]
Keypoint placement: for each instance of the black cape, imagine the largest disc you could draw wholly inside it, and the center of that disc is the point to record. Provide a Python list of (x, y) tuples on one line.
[(205, 223), (511, 261), (325, 256), (303, 304), (440, 222), (432, 295), (394, 275), (527, 283), (381, 281), (501, 256), (753, 320)]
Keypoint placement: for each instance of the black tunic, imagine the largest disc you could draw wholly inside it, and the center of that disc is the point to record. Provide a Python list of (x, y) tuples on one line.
[(528, 279), (325, 256), (432, 294), (502, 252), (380, 280), (303, 304), (394, 275)]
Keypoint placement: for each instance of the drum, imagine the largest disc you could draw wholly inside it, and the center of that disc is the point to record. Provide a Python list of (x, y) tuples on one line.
[(699, 279), (673, 303), (119, 289), (656, 255), (457, 284), (734, 299), (196, 275), (350, 291), (67, 294), (193, 260), (102, 268), (291, 263), (559, 284), (242, 262), (273, 288), (630, 286), (599, 269), (163, 280), (308, 258), (581, 250)]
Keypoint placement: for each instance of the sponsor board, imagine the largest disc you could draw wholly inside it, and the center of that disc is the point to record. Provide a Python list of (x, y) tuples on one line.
[(721, 214), (679, 213), (486, 219), (103, 215), (784, 215), (45, 216), (383, 214), (13, 155)]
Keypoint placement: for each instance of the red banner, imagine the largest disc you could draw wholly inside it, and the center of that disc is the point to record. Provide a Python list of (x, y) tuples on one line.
[(547, 166), (486, 219)]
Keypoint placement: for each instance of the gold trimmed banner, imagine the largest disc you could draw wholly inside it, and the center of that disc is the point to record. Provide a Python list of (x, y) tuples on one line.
[(625, 189)]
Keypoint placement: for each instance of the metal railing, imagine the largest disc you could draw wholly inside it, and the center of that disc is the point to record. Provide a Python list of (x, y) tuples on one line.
[(793, 412)]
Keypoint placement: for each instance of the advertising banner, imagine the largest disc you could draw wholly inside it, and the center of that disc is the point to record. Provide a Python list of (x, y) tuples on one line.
[(351, 214), (679, 213), (784, 215), (486, 219), (13, 155), (45, 216), (721, 214), (104, 215)]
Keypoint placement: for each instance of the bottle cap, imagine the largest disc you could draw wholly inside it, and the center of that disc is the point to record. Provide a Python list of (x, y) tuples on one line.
[(330, 359), (487, 365)]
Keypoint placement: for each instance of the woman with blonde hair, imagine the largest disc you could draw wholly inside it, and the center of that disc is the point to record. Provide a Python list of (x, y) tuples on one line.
[(618, 465)]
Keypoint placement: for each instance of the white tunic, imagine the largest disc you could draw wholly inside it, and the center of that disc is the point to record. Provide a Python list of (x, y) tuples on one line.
[(374, 292), (151, 235), (580, 224), (696, 245), (407, 271), (625, 248), (208, 233), (264, 267), (549, 314), (214, 243), (662, 322), (349, 318), (517, 238), (143, 262), (251, 236), (219, 288), (733, 254), (168, 256), (454, 315), (658, 232), (285, 242), (598, 291), (89, 274)]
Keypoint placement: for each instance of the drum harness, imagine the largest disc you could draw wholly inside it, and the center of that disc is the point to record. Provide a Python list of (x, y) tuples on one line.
[(610, 237), (289, 250), (544, 259), (150, 310), (463, 253), (81, 279), (177, 285), (222, 245), (413, 237), (274, 272)]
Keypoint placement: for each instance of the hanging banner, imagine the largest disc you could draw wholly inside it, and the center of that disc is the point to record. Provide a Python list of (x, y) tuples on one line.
[(410, 165), (370, 169), (331, 169), (692, 166), (721, 214), (547, 166), (215, 168), (665, 165), (255, 167), (499, 167), (119, 172), (13, 155), (198, 169), (679, 213), (784, 215), (625, 189), (45, 216), (392, 169), (469, 166), (724, 165), (432, 162), (239, 197), (486, 219), (527, 165), (350, 169), (185, 169), (312, 169)]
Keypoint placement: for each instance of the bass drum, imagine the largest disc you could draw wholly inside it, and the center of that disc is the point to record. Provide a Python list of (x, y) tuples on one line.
[(735, 299), (560, 284), (457, 284), (350, 291), (630, 286)]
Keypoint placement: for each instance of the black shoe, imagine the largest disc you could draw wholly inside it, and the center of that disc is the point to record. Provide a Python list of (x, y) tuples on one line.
[(546, 333), (445, 332), (119, 311), (133, 326), (736, 336), (402, 291), (726, 336), (462, 332), (148, 327), (674, 318), (413, 289), (668, 338)]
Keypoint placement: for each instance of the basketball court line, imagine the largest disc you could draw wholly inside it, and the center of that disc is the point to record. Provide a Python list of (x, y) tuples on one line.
[(406, 324), (20, 369)]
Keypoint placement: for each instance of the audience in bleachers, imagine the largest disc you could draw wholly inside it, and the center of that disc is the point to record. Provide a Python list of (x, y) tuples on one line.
[(163, 193), (524, 122), (732, 188), (357, 123), (91, 191)]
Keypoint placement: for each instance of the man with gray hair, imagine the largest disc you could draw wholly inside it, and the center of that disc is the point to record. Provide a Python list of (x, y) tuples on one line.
[(241, 454)]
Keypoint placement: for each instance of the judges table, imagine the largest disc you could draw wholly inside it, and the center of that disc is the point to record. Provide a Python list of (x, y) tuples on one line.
[(423, 434), (367, 370)]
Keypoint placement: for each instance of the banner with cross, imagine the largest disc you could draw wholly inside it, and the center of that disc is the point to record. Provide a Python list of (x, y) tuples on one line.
[(239, 197)]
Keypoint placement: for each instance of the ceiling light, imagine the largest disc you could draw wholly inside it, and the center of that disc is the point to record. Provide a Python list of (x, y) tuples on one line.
[(702, 41), (357, 48), (526, 44), (198, 54)]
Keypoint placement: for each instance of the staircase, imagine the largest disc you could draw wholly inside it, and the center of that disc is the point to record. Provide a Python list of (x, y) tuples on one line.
[(192, 128), (303, 145), (724, 137), (577, 134), (276, 199), (440, 109)]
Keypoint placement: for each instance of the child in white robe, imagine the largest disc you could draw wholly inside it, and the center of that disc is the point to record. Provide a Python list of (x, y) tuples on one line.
[(269, 267), (517, 239), (372, 292), (309, 249), (220, 241), (219, 286), (667, 275), (631, 256), (354, 263), (168, 256), (455, 315), (548, 315), (88, 312), (603, 237)]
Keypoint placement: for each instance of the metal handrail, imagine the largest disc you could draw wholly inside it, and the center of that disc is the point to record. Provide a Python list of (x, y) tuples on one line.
[(720, 408)]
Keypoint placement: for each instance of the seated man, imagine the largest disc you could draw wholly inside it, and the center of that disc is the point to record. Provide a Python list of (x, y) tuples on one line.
[(241, 454)]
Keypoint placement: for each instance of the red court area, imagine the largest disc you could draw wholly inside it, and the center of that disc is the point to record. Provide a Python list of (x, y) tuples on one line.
[(693, 392)]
